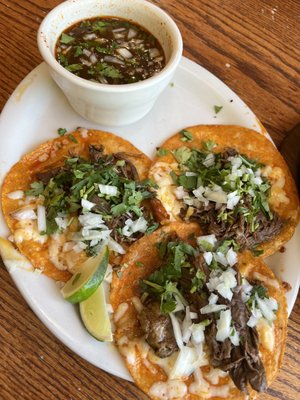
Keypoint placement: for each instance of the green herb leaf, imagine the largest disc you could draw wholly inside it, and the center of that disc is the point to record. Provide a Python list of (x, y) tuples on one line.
[(182, 154), (72, 138), (186, 135), (209, 145), (74, 67), (217, 109), (162, 152), (61, 131), (66, 39), (37, 188)]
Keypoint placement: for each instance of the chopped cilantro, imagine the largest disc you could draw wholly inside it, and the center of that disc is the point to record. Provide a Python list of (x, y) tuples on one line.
[(61, 131), (37, 188), (74, 67), (217, 109), (257, 252), (208, 145), (66, 39), (186, 136), (182, 154), (152, 228), (139, 264), (72, 138), (162, 152), (106, 70), (198, 281)]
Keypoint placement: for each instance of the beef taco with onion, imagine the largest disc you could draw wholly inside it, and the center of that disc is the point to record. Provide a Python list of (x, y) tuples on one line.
[(232, 181), (70, 196), (194, 322)]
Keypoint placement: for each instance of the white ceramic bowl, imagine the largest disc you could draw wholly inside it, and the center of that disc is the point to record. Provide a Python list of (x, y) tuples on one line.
[(112, 105)]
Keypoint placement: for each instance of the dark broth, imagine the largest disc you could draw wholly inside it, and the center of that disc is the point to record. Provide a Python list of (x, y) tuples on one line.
[(110, 51)]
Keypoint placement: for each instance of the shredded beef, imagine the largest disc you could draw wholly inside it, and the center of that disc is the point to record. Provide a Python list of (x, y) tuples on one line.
[(128, 170), (46, 176), (95, 153), (158, 330), (238, 229), (242, 362)]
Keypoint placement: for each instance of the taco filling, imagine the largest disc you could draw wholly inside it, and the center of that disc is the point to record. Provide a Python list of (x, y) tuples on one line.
[(199, 308), (83, 204), (225, 192)]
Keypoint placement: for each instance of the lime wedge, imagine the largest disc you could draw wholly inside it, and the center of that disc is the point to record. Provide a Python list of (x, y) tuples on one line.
[(87, 279), (95, 317)]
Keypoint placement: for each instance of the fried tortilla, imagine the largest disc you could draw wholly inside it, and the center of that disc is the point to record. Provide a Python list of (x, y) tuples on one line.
[(229, 179), (83, 176), (221, 369)]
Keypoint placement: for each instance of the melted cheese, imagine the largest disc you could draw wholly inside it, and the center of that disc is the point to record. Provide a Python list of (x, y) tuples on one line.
[(168, 390), (12, 258), (277, 178), (27, 230), (214, 375), (200, 387), (120, 311), (266, 334), (268, 281), (165, 192), (137, 304)]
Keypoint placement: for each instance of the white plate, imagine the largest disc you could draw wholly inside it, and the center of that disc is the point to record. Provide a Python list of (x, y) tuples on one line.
[(33, 114)]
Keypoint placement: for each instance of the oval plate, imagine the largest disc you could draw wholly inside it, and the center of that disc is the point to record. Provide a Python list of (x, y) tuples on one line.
[(35, 111)]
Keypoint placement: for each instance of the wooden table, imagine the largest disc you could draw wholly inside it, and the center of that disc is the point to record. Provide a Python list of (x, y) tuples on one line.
[(253, 46)]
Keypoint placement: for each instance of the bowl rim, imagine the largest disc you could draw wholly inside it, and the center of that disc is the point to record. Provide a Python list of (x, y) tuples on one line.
[(49, 58)]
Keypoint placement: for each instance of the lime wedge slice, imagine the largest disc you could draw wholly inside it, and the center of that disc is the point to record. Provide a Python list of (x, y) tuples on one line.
[(87, 279), (95, 317)]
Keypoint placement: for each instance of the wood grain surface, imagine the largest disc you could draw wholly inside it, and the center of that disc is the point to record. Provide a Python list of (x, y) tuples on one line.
[(253, 46)]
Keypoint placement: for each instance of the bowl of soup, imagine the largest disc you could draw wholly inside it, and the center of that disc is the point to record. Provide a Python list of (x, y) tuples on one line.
[(111, 58)]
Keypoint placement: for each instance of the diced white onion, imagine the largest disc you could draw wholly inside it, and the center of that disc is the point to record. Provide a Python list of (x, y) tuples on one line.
[(131, 227), (231, 257), (233, 200), (211, 239), (265, 308), (23, 214), (193, 315), (131, 33), (223, 326), (86, 52), (207, 255), (216, 196), (198, 333), (187, 326), (17, 195), (124, 52), (93, 58), (257, 180), (209, 160), (211, 308), (154, 52), (177, 331), (61, 222), (109, 190), (90, 36), (115, 246), (220, 258), (180, 192), (91, 219), (41, 218), (88, 205), (113, 60), (213, 298)]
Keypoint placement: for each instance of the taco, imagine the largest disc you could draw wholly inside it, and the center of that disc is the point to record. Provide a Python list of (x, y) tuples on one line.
[(194, 322), (67, 198), (232, 181)]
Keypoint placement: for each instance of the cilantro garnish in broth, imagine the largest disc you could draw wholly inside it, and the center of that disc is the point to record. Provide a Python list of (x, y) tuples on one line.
[(227, 184), (95, 200), (110, 50)]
